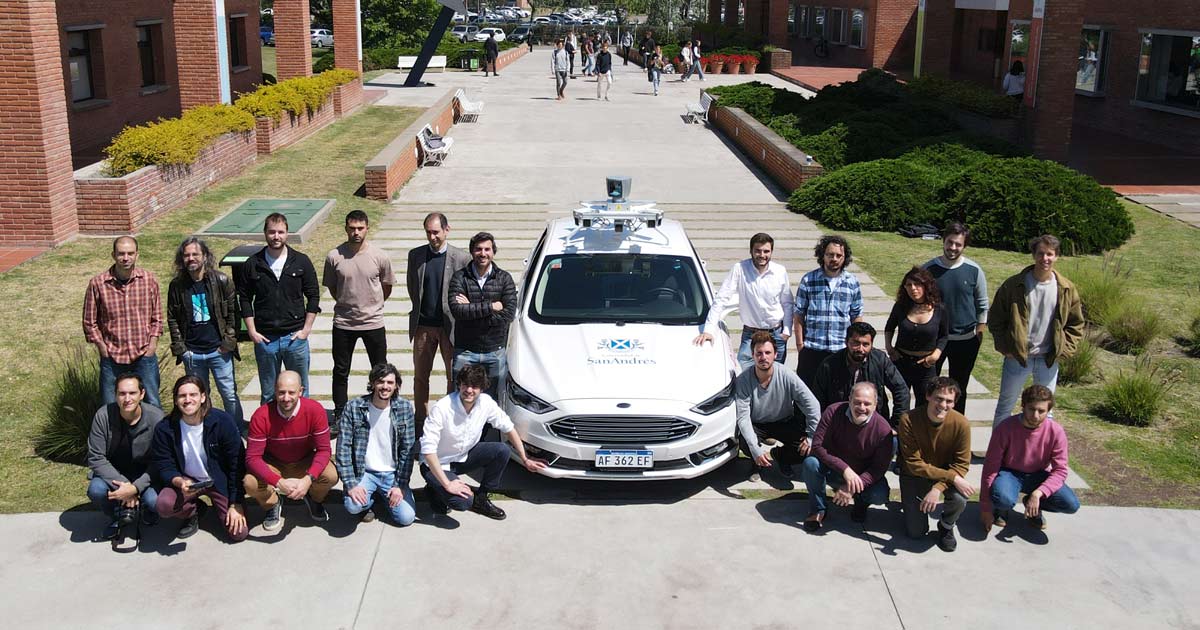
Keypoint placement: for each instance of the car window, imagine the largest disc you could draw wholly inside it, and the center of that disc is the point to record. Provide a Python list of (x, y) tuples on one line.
[(577, 288)]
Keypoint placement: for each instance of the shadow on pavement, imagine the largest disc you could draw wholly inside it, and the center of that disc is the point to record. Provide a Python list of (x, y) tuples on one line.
[(521, 484)]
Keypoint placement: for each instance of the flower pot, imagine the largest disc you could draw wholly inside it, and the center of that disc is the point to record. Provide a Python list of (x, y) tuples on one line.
[(749, 67), (733, 68), (714, 67)]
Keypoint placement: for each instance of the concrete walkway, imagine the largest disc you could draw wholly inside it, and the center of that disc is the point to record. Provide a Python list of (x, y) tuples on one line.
[(698, 554)]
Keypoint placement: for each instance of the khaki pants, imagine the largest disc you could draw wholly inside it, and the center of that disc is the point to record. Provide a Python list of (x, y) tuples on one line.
[(427, 341), (266, 495), (603, 82)]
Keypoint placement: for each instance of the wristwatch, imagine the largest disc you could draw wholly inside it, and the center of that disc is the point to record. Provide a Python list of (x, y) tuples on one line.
[(312, 478)]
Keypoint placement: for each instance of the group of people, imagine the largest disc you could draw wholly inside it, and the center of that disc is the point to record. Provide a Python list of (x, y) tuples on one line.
[(597, 61), (144, 463), (832, 416)]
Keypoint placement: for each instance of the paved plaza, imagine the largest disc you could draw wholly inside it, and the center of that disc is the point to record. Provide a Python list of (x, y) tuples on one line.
[(704, 553)]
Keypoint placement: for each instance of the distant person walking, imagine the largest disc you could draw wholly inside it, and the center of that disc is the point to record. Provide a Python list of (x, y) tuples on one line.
[(491, 52), (626, 44), (603, 72), (654, 66), (697, 66), (559, 68), (1014, 81), (685, 60), (586, 52), (572, 44)]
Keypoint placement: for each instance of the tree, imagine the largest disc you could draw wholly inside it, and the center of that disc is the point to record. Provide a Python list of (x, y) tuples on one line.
[(397, 23)]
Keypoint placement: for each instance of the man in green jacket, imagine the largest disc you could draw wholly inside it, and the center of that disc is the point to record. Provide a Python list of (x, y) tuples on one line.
[(1036, 320)]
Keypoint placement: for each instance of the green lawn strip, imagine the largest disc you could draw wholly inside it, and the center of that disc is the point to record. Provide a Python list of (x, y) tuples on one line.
[(43, 298), (1165, 263)]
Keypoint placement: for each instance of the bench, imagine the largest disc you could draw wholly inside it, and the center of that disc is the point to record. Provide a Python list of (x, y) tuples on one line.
[(434, 148), (699, 111), (469, 111), (406, 62)]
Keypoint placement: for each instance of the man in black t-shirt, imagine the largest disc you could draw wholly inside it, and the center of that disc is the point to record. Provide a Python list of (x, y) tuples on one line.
[(202, 317)]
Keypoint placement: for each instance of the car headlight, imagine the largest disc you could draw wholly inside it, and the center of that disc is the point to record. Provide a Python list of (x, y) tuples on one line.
[(526, 400), (716, 402)]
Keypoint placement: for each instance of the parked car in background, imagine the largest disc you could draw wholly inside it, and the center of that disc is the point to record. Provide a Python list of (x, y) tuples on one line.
[(321, 37), (521, 33), (482, 35), (266, 34), (541, 19), (464, 32)]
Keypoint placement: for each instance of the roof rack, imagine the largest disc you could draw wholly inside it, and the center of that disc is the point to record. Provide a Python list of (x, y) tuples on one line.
[(616, 211)]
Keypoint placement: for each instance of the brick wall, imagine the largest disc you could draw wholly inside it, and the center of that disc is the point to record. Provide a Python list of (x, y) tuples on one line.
[(939, 49), (196, 53), (387, 172), (121, 205), (347, 98), (893, 34), (781, 159), (273, 136), (345, 35), (35, 155), (293, 45)]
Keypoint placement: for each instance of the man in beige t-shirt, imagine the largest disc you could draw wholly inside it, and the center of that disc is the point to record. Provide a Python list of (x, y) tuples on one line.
[(359, 277)]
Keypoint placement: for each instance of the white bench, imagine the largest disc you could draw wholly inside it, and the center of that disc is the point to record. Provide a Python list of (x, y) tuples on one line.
[(406, 62), (699, 111), (434, 148), (469, 111)]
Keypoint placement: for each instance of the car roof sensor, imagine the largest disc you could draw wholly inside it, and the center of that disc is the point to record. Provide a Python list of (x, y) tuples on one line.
[(617, 211)]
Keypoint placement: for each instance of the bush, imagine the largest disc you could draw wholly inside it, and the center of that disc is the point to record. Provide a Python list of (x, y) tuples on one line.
[(882, 195), (1009, 201), (1101, 287), (1081, 366), (173, 141), (1138, 397), (297, 96), (1191, 341), (963, 95), (1132, 327)]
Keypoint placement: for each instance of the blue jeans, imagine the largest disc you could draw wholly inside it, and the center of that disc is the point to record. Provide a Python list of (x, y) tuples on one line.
[(494, 362), (145, 367), (282, 350), (816, 475), (655, 79), (745, 356), (694, 68), (98, 490), (379, 484), (221, 365), (1010, 483), (1012, 382)]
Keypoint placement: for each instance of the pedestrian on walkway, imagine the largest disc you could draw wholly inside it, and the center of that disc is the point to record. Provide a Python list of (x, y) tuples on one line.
[(559, 68), (359, 277), (697, 66), (1036, 320), (119, 457), (935, 453), (483, 300), (654, 67), (491, 52), (571, 46), (604, 75), (648, 45), (965, 296), (921, 327), (626, 44), (828, 300), (122, 317), (202, 317), (685, 60), (586, 52)]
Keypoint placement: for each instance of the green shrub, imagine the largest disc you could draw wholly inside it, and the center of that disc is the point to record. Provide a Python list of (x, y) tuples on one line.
[(323, 63), (1081, 366), (1139, 396), (1191, 341), (1101, 287), (1133, 326), (1009, 201), (173, 141), (296, 96), (882, 195), (966, 96)]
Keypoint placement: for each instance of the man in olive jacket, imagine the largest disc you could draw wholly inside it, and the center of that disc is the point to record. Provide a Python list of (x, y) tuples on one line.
[(1036, 320)]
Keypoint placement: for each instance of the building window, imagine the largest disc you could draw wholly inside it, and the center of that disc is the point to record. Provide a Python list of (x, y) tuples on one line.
[(802, 21), (837, 26), (858, 28), (819, 23), (146, 46), (741, 16), (1169, 70), (79, 62), (237, 41), (1018, 48), (1093, 54), (791, 18)]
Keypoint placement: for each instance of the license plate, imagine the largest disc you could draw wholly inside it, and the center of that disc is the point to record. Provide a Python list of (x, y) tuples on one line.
[(624, 459)]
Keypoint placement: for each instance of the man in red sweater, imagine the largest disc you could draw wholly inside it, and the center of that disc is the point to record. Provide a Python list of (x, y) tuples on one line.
[(1027, 454), (288, 453)]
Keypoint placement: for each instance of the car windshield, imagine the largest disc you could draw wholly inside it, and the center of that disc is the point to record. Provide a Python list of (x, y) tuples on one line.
[(579, 288)]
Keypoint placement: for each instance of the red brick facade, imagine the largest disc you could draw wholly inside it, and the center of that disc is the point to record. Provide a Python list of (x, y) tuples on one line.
[(273, 136), (293, 44), (399, 160), (347, 98), (345, 33), (785, 163)]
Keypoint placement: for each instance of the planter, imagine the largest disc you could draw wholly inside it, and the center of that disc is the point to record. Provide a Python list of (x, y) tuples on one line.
[(778, 59), (733, 68), (749, 67), (714, 67), (291, 128)]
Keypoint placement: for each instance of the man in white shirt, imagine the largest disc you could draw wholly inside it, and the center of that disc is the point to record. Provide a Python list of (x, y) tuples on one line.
[(450, 446), (763, 295)]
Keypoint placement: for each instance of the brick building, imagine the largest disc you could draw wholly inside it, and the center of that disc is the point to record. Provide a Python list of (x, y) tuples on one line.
[(73, 73)]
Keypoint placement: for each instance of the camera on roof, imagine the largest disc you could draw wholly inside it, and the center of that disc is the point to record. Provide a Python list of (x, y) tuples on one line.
[(619, 187)]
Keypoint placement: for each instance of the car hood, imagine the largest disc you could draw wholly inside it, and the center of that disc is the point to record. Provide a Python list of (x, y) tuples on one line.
[(600, 361)]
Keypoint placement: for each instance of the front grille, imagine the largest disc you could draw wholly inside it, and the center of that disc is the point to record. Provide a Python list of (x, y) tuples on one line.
[(579, 464), (622, 430)]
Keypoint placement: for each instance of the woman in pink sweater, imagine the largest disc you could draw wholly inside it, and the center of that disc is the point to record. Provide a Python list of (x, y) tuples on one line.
[(1027, 454)]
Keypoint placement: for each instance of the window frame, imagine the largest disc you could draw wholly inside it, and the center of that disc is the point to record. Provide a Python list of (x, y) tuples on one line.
[(803, 21), (1162, 107), (792, 23), (824, 13), (862, 43), (239, 56), (88, 63), (837, 18), (1101, 61)]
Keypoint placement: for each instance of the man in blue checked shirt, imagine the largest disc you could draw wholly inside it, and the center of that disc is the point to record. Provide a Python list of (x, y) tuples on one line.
[(828, 300)]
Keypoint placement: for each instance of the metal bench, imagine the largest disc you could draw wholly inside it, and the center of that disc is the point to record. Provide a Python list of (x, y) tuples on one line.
[(434, 148), (406, 62), (699, 111), (469, 110)]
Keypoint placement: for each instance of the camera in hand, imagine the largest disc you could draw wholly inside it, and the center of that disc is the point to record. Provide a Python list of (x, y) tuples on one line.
[(126, 515), (200, 485)]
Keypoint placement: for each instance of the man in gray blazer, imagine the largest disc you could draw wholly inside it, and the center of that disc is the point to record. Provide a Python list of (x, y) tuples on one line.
[(430, 322)]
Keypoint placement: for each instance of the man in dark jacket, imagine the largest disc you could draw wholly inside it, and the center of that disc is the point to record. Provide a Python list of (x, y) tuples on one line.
[(280, 299), (119, 456), (483, 299), (858, 362), (202, 318), (491, 52), (603, 72)]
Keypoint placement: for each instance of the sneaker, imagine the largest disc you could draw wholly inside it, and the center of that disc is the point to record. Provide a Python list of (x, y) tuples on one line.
[(814, 521), (435, 502), (367, 516), (858, 513), (315, 509), (190, 527), (111, 530), (274, 517), (1000, 520), (946, 540), (786, 470), (755, 474), (483, 505)]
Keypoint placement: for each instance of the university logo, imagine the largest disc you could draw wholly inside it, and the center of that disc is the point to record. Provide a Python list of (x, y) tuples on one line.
[(620, 345)]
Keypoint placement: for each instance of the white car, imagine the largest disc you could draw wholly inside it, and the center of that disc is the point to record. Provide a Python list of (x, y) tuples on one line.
[(482, 35), (603, 379), (464, 32), (320, 37), (541, 20)]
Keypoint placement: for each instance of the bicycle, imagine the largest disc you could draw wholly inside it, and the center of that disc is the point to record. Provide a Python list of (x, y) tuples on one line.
[(822, 48)]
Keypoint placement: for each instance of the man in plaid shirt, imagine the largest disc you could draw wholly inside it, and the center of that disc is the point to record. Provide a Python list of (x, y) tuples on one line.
[(375, 449), (828, 300), (122, 317)]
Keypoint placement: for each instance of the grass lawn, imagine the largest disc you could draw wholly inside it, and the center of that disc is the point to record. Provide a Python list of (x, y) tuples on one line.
[(1153, 466), (41, 322)]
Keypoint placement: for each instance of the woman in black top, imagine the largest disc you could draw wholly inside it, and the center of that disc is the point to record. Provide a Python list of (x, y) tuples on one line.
[(924, 330)]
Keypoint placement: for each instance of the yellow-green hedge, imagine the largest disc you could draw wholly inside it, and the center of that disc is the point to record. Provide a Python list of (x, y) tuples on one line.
[(173, 141), (179, 141)]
